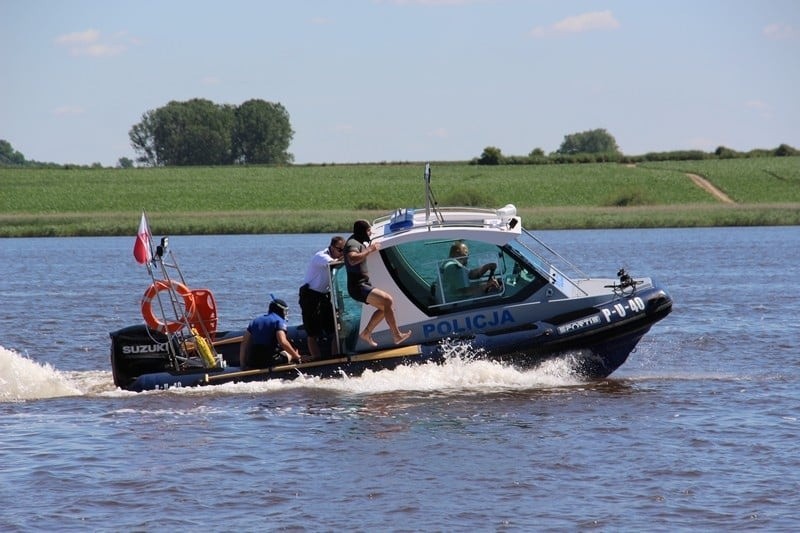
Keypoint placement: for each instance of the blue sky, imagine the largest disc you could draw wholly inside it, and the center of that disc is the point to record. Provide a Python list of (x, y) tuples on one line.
[(406, 80)]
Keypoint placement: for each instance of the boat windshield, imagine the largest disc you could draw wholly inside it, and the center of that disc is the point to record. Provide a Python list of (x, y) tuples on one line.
[(443, 276)]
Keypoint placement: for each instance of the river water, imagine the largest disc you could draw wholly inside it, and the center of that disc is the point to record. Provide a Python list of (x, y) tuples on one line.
[(697, 431)]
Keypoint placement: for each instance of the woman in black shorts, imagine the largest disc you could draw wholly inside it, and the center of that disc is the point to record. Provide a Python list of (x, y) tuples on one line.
[(356, 250)]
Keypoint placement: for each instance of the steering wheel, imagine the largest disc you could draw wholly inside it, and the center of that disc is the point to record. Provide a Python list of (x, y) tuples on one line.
[(493, 287)]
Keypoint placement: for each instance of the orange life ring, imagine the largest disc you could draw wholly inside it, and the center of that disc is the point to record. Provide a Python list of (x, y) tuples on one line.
[(170, 326)]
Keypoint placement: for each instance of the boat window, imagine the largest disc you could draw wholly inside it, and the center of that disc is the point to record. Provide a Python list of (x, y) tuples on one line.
[(435, 276)]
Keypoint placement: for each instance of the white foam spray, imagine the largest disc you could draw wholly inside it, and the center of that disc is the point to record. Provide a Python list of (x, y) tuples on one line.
[(22, 378), (464, 369)]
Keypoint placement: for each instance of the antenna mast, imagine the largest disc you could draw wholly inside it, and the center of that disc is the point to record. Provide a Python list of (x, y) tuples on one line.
[(430, 199)]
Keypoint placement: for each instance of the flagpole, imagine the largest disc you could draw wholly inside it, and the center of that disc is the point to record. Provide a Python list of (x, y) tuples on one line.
[(149, 241), (143, 250)]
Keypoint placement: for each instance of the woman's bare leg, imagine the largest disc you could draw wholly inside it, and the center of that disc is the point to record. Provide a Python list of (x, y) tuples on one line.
[(374, 320), (383, 301)]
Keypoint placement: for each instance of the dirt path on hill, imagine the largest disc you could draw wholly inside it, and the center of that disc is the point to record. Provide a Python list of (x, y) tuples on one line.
[(706, 185)]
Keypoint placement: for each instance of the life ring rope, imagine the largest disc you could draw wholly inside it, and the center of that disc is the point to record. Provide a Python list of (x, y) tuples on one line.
[(168, 326)]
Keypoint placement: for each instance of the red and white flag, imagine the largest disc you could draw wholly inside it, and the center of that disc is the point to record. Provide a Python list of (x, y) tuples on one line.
[(141, 250)]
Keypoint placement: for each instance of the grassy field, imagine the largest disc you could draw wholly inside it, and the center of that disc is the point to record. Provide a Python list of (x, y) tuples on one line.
[(219, 200), (761, 180)]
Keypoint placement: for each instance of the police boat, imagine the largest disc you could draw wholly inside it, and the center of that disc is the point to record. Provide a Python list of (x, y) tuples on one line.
[(528, 306)]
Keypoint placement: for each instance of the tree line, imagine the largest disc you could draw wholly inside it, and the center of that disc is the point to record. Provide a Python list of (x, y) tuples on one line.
[(199, 132), (599, 146)]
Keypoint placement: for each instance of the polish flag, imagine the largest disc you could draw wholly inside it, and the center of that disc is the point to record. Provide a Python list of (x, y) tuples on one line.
[(141, 250)]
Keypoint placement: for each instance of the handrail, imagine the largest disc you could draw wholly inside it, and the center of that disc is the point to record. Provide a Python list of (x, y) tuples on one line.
[(448, 217), (555, 253), (550, 264)]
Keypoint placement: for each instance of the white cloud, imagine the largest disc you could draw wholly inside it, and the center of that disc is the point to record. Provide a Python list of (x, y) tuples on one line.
[(779, 32), (100, 50), (210, 80), (78, 38), (93, 44), (321, 21), (596, 20), (440, 133), (757, 104), (68, 110)]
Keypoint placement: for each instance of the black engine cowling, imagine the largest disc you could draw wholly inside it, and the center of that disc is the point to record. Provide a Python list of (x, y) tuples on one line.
[(137, 350)]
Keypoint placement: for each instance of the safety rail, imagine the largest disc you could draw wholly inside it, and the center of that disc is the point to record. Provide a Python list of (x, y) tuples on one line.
[(555, 265), (448, 217), (185, 334)]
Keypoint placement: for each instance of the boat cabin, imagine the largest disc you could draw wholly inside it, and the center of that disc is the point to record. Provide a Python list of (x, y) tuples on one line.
[(417, 263)]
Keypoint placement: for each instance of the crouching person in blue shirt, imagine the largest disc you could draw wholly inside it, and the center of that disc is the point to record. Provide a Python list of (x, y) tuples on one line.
[(265, 342)]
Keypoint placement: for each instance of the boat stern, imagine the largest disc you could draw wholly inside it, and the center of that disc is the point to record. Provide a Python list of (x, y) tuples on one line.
[(137, 350)]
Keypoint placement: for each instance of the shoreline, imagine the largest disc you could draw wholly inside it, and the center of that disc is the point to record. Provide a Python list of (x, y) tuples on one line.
[(21, 225)]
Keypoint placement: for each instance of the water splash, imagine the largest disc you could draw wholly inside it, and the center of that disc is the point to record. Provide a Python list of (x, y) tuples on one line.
[(22, 379), (464, 369)]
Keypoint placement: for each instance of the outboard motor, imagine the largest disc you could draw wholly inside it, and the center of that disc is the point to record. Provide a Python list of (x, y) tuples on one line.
[(137, 350)]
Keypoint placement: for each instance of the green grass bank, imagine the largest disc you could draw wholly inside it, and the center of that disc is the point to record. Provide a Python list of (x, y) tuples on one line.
[(305, 199)]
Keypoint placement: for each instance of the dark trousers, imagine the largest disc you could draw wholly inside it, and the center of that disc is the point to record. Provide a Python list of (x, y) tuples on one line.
[(263, 356)]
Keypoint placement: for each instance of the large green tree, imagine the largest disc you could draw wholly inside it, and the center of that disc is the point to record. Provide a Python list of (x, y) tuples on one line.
[(199, 132), (262, 133), (196, 132), (597, 141)]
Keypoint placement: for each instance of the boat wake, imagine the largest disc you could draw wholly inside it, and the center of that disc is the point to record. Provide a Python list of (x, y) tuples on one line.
[(22, 378), (455, 375)]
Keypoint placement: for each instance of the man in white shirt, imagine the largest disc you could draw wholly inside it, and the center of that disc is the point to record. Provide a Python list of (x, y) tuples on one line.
[(315, 299)]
